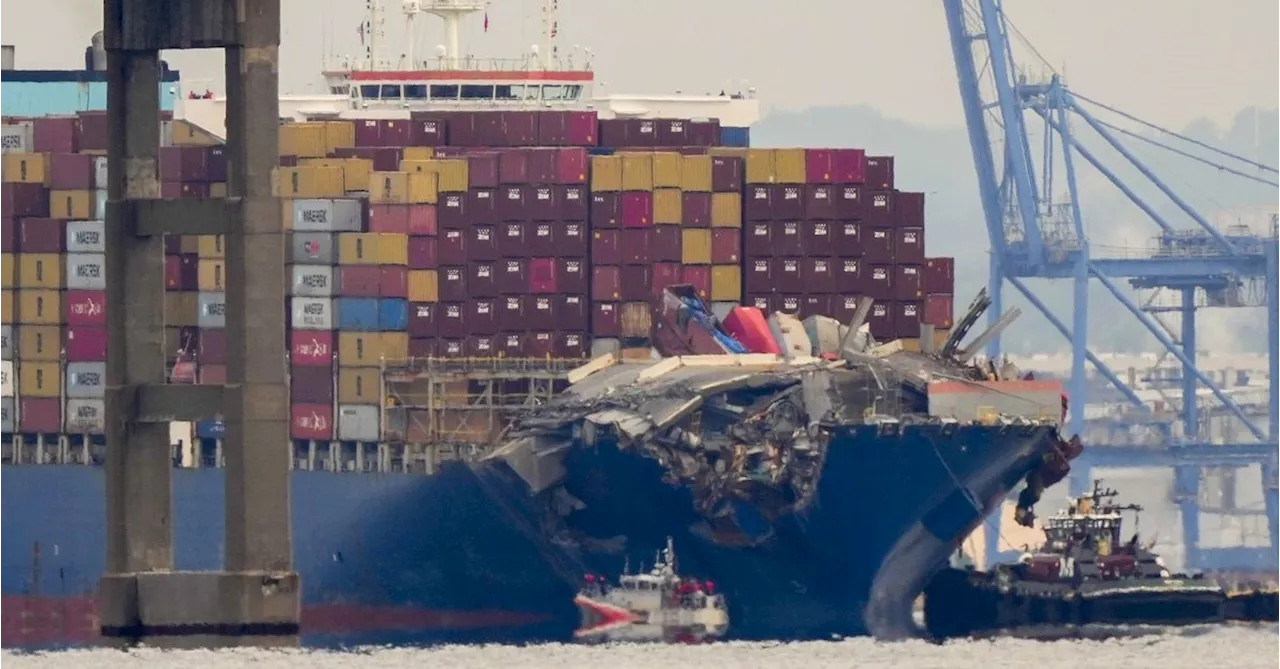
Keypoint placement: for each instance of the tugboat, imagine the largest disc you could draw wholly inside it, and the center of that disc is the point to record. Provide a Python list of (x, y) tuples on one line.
[(1084, 574), (657, 605)]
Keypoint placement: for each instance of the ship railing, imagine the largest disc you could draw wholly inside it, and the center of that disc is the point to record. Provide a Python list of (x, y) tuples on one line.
[(409, 369), (465, 64)]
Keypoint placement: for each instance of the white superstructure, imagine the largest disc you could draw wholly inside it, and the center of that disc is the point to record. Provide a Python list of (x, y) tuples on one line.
[(451, 79)]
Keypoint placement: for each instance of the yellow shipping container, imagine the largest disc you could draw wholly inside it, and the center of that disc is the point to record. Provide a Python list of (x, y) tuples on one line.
[(637, 171), (606, 173), (218, 189), (338, 135), (305, 140), (309, 182), (191, 243), (695, 174), (40, 379), (726, 210), (355, 171), (358, 385), (212, 275), (424, 285), (6, 306), (417, 153), (26, 168), (186, 133), (74, 204), (39, 307), (211, 246), (666, 169), (453, 175), (695, 246), (40, 342), (358, 248), (667, 206), (789, 166), (637, 319), (181, 308), (424, 187), (360, 349), (41, 270), (726, 283), (395, 346), (761, 168), (8, 271), (393, 248), (388, 187)]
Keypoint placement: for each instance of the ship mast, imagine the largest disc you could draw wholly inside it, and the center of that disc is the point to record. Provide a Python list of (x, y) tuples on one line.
[(451, 12)]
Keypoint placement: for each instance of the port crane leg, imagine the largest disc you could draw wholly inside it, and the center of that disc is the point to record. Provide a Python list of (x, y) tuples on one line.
[(1269, 469)]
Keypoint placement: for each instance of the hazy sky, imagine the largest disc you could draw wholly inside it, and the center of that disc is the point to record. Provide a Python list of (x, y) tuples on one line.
[(1168, 61)]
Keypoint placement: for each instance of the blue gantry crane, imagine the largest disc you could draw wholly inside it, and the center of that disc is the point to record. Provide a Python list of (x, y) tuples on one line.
[(1036, 234)]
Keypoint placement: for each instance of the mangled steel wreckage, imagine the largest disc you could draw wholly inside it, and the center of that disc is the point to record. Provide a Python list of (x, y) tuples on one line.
[(819, 488)]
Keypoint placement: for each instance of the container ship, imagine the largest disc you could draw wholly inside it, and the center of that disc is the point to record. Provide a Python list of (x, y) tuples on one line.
[(465, 235)]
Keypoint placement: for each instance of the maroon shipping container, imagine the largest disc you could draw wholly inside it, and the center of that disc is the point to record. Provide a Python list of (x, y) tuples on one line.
[(848, 166), (453, 283), (846, 239), (85, 307), (213, 346), (541, 204), (422, 319), (173, 271), (671, 132), (540, 238), (542, 166), (664, 274), (939, 310), (451, 348), (94, 133), (520, 128), (216, 163), (818, 275), (511, 240), (757, 239), (86, 343), (606, 283), (787, 240), (817, 166), (311, 348), (310, 384), (698, 276), (703, 133), (483, 278), (424, 347), (570, 345), (422, 219), (396, 132), (757, 205), (788, 202), (388, 218), (817, 305), (188, 189), (451, 319), (848, 202), (311, 422), (482, 170), (510, 345), (482, 316), (571, 275), (908, 245), (879, 208), (511, 205), (637, 209), (55, 134), (908, 282), (877, 244), (726, 246), (787, 304), (8, 235), (816, 238), (878, 281), (511, 310), (358, 280), (665, 242), (848, 277), (553, 128), (368, 133), (880, 320), (481, 206), (422, 253), (42, 235), (393, 281), (636, 280), (539, 344), (513, 277), (462, 128), (184, 164), (451, 210), (606, 247), (428, 132), (571, 165), (939, 275), (761, 302), (513, 166), (71, 171), (571, 311), (289, 161), (570, 239), (582, 128), (606, 210), (40, 415), (606, 319), (908, 210), (172, 245), (634, 245), (451, 249), (384, 158), (695, 209), (482, 242), (879, 172), (819, 203), (726, 175), (542, 276), (541, 313), (843, 307), (906, 318), (613, 132), (572, 201), (20, 200), (759, 276)]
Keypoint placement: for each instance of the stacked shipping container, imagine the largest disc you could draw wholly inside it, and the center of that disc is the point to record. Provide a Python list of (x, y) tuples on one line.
[(491, 234)]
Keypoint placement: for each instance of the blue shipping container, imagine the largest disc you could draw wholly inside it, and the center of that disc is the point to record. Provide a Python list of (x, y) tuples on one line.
[(731, 136), (393, 314), (600, 151), (358, 314), (211, 429), (62, 98)]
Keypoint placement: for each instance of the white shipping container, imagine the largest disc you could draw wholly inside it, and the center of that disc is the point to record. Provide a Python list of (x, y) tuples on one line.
[(166, 133), (99, 204), (6, 378), (86, 237), (311, 313), (358, 422), (86, 271), (86, 380), (212, 310), (605, 346), (312, 281), (100, 172), (18, 137), (6, 342), (8, 418), (84, 417), (327, 216), (313, 248)]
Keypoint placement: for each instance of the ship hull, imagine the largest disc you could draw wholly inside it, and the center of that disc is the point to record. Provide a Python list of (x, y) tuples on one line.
[(464, 555)]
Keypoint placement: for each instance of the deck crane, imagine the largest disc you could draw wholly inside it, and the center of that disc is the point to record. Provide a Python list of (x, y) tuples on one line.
[(1034, 235)]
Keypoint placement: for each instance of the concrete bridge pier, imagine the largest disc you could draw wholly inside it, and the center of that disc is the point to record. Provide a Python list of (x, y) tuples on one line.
[(256, 599)]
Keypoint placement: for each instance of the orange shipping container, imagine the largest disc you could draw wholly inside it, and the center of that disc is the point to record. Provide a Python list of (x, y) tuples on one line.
[(211, 246), (606, 173), (212, 275), (695, 246), (40, 379), (39, 307), (695, 174), (40, 342), (637, 171), (358, 385), (666, 170), (41, 270), (760, 166), (667, 206), (71, 204), (726, 210), (726, 283), (309, 182), (424, 285), (26, 168), (360, 349)]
